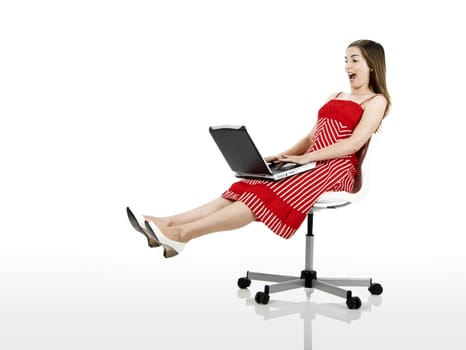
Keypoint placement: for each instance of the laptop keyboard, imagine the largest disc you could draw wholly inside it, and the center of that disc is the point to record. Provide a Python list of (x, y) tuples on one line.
[(279, 167)]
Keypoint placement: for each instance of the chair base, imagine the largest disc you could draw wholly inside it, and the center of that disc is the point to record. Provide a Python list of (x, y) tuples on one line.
[(309, 279)]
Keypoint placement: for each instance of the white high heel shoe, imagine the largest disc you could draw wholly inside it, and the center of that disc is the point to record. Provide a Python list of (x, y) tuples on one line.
[(170, 247), (138, 224)]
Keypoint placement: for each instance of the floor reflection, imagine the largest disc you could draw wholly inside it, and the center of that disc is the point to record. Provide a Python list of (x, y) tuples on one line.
[(309, 310)]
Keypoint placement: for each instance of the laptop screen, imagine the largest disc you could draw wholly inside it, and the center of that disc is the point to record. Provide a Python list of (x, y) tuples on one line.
[(238, 149)]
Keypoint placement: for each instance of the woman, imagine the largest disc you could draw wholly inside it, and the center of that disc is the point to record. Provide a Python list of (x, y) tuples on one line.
[(345, 124)]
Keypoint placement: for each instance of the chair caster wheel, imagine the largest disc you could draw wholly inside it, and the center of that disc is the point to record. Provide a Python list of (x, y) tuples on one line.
[(244, 282), (262, 298), (376, 289), (353, 303)]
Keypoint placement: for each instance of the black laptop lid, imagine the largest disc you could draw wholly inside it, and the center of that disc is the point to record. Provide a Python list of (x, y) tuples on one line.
[(238, 149)]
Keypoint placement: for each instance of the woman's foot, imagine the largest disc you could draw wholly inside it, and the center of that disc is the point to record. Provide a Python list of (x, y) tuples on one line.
[(160, 222), (171, 246), (139, 226)]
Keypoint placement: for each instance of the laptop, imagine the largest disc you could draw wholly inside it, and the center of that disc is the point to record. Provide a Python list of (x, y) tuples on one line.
[(244, 159)]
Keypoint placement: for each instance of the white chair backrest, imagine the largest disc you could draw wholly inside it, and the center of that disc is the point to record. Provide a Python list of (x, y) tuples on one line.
[(331, 199)]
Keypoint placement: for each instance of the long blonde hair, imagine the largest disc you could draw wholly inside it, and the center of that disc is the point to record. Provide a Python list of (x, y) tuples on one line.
[(374, 55)]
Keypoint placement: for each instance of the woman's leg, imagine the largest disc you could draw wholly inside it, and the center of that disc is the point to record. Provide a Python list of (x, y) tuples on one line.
[(191, 215), (232, 216)]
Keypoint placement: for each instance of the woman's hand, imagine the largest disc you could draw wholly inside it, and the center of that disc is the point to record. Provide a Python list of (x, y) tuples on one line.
[(303, 159), (272, 159)]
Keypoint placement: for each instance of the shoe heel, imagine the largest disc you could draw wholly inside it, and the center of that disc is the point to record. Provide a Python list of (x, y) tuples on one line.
[(169, 252), (171, 248)]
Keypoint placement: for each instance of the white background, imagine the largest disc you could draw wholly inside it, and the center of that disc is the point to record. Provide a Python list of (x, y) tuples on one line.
[(107, 104)]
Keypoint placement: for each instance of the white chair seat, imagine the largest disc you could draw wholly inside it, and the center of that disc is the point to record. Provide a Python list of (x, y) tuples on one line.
[(333, 200)]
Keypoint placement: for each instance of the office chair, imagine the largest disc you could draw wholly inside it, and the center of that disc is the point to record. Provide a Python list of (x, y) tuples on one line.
[(308, 277)]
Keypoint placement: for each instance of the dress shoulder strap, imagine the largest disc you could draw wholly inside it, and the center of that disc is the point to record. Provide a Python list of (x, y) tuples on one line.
[(338, 95), (368, 99)]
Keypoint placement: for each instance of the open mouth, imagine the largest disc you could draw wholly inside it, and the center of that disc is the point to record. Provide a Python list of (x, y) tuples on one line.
[(352, 76)]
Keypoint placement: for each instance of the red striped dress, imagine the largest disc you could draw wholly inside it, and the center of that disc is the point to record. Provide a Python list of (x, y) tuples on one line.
[(283, 205)]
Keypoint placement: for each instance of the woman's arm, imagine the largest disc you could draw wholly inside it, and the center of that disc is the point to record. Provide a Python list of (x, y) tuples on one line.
[(370, 121), (302, 145), (299, 148)]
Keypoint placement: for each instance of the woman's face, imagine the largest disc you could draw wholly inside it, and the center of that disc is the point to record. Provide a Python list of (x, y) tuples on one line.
[(357, 69)]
